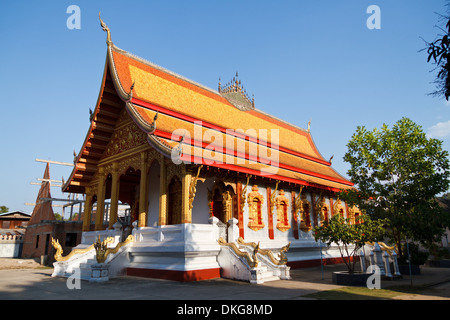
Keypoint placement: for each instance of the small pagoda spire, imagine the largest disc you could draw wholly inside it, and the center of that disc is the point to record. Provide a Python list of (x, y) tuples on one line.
[(235, 86)]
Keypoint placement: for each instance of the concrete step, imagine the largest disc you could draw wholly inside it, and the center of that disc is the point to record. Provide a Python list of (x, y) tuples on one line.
[(272, 278), (268, 276), (85, 269)]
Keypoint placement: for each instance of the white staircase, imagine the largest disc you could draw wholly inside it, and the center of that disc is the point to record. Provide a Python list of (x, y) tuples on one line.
[(85, 266), (265, 275), (240, 261), (85, 269), (67, 268)]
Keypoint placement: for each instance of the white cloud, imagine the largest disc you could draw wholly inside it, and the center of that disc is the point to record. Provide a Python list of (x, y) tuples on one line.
[(439, 130)]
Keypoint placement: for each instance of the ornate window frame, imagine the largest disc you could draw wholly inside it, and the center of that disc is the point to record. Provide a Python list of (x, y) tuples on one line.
[(255, 201), (282, 205), (304, 206)]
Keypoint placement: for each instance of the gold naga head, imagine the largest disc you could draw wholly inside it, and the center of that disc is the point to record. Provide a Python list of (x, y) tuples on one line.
[(100, 250)]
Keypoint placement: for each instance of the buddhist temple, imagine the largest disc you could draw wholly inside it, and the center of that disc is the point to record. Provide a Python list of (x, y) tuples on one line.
[(203, 171)]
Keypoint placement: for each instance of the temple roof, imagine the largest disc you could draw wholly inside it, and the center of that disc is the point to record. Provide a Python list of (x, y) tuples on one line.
[(164, 105), (15, 215)]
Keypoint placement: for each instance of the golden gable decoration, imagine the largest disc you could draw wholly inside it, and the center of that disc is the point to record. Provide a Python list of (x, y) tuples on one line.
[(125, 138)]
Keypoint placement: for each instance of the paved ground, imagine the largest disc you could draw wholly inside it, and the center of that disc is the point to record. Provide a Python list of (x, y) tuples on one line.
[(31, 283)]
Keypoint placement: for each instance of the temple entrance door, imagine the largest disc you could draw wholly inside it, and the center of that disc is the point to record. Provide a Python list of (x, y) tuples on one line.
[(129, 194), (218, 212)]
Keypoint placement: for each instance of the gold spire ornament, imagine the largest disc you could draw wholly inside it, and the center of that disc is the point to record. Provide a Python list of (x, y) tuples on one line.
[(106, 29)]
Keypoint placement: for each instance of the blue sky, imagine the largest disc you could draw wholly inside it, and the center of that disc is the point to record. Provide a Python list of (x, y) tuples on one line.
[(303, 60)]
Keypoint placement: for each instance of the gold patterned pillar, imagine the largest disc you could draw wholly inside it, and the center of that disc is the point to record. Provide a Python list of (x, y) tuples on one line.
[(162, 193), (87, 210), (100, 200), (143, 191), (186, 213), (115, 185), (227, 201)]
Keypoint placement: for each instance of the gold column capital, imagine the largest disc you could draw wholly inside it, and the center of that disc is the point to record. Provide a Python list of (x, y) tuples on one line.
[(88, 191)]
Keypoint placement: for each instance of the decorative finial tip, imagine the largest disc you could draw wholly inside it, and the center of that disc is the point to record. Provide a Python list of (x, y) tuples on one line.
[(105, 28)]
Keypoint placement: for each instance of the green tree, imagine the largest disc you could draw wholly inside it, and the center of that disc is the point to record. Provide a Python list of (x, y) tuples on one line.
[(349, 237), (4, 209), (397, 174)]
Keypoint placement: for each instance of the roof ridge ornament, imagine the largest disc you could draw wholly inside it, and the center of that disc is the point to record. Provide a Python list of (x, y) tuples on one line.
[(153, 125), (331, 159), (178, 151), (130, 94), (106, 29)]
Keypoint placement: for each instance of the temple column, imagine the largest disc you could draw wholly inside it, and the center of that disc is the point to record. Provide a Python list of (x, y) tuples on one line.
[(332, 207), (314, 210), (270, 213), (143, 191), (186, 212), (115, 185), (294, 213), (87, 210), (100, 200), (162, 193)]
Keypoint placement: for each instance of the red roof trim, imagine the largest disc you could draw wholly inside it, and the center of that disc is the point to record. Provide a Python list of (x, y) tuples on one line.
[(246, 156), (257, 173)]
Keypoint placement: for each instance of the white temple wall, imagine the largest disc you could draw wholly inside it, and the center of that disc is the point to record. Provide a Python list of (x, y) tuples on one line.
[(201, 212), (200, 209), (153, 195)]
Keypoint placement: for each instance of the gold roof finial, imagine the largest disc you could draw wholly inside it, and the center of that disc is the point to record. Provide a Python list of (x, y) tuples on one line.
[(106, 29)]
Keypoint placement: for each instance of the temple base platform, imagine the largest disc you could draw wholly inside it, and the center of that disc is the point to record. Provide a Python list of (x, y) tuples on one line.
[(194, 252)]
